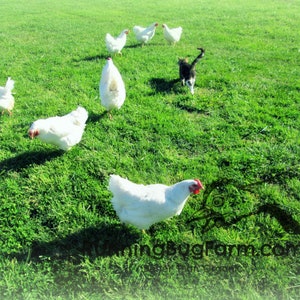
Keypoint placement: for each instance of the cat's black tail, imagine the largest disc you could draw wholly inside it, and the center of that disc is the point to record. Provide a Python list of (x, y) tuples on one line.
[(193, 64)]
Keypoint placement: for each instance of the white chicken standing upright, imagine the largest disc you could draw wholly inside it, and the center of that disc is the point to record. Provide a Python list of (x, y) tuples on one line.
[(144, 35), (143, 205), (115, 45), (112, 87), (63, 132), (172, 35), (7, 100)]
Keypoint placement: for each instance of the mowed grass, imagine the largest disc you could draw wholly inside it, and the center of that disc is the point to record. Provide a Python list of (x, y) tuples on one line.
[(239, 134)]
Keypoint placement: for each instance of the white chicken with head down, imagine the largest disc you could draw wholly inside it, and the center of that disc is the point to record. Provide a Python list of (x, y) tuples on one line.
[(112, 87), (144, 35), (63, 132), (7, 100), (143, 205), (115, 45), (172, 35)]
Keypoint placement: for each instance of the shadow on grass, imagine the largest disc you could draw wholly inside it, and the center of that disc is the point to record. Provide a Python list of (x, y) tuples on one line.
[(191, 109), (133, 46), (94, 118), (103, 240), (91, 58), (160, 85), (212, 218), (216, 219), (26, 159)]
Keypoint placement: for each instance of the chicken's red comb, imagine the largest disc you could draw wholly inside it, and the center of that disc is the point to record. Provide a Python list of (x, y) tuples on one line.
[(199, 184)]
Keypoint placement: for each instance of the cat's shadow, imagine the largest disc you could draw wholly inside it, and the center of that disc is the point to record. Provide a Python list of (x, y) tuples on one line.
[(161, 85)]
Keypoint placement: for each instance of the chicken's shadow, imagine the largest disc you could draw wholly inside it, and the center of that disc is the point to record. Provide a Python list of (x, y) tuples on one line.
[(23, 160), (91, 58), (94, 118), (103, 240), (162, 85), (133, 46)]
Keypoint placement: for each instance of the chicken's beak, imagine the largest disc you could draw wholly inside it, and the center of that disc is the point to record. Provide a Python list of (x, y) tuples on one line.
[(197, 187), (200, 185), (32, 133)]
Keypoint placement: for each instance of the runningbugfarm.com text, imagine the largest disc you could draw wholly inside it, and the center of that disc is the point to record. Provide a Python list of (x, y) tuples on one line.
[(198, 251)]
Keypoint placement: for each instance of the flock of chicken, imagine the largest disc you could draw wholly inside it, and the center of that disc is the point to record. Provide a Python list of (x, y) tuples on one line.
[(143, 35), (135, 204)]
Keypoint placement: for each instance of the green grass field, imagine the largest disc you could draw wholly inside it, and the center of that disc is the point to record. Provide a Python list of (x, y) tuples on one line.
[(239, 239)]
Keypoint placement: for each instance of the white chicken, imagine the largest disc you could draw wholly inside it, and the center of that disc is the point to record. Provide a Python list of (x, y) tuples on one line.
[(144, 35), (172, 35), (115, 45), (63, 132), (112, 87), (143, 205), (7, 100)]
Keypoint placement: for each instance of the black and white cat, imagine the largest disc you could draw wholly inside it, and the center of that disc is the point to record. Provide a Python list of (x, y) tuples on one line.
[(187, 72)]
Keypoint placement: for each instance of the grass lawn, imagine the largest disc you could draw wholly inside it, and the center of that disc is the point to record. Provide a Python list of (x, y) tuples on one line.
[(239, 134)]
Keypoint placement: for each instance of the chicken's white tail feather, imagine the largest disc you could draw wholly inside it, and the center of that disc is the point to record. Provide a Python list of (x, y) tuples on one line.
[(118, 186), (117, 183), (109, 38), (80, 116), (138, 29), (9, 84)]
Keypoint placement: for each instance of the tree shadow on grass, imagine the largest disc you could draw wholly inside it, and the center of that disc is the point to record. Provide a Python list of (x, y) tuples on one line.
[(210, 217), (23, 160), (215, 219), (102, 240)]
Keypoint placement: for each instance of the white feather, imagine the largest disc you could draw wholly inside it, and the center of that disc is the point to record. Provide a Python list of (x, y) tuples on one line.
[(144, 35), (172, 35), (144, 205), (7, 100), (116, 44), (112, 88), (63, 132)]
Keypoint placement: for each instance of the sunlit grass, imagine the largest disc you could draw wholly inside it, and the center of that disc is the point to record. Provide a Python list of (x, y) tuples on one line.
[(60, 237)]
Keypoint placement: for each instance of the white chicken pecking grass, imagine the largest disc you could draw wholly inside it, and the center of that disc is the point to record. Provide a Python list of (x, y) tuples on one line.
[(143, 205), (112, 87), (172, 35), (116, 44), (63, 132), (144, 34), (7, 100)]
